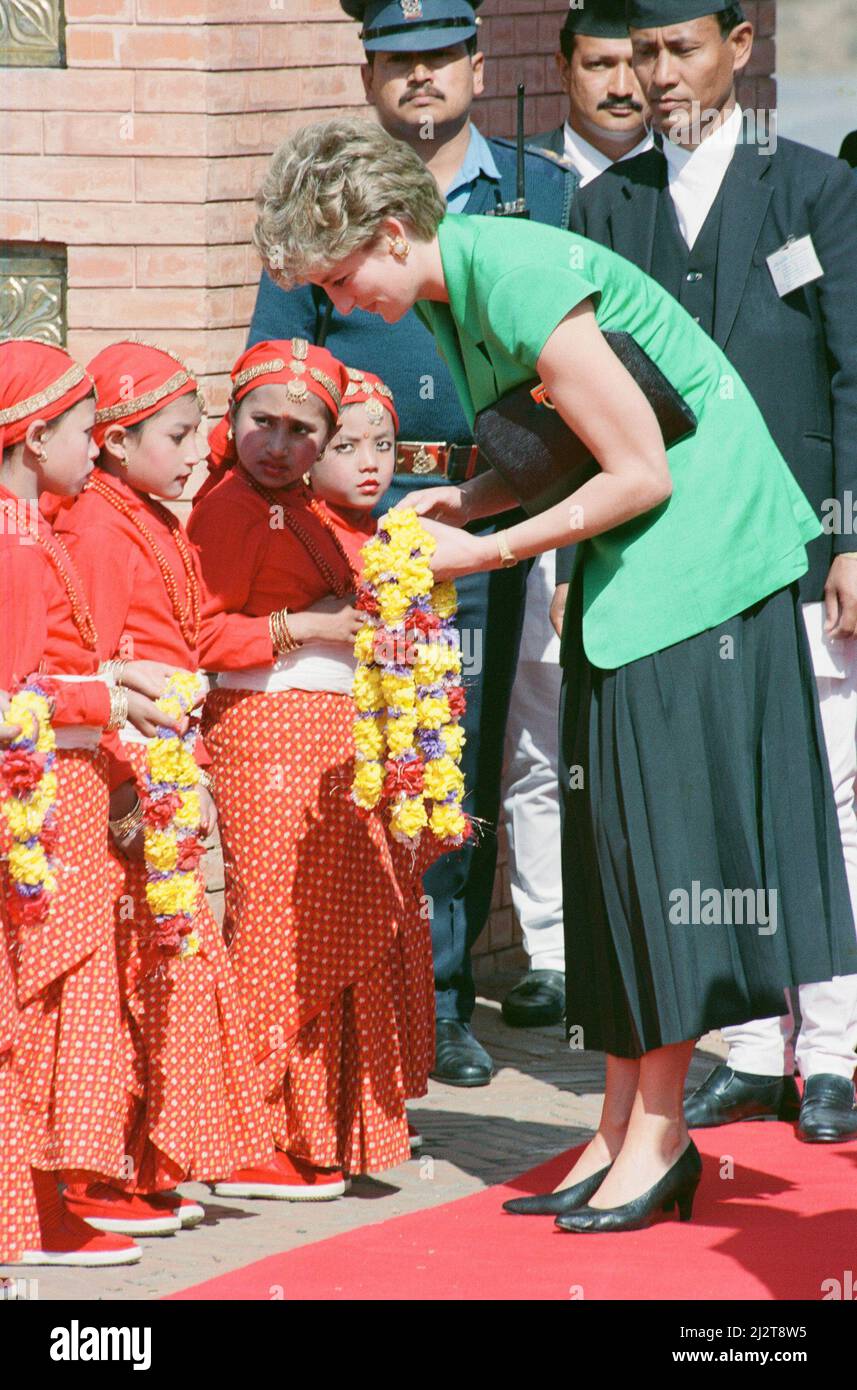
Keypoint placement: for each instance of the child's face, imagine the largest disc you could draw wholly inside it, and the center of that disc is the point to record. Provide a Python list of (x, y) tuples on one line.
[(278, 439), (357, 465), (163, 453), (69, 452)]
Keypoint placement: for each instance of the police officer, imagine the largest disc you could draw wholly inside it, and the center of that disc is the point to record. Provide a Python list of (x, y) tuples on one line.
[(422, 72)]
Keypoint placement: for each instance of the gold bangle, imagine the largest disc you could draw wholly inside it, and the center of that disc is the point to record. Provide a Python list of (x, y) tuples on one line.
[(118, 707), (205, 779), (281, 638), (507, 559), (126, 825)]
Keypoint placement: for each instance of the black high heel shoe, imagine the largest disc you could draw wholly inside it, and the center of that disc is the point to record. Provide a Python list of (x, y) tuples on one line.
[(558, 1203), (677, 1186)]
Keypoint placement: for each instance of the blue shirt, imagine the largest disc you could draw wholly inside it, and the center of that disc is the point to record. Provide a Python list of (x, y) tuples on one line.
[(477, 161)]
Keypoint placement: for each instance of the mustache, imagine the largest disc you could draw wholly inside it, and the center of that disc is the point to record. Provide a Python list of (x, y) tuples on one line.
[(610, 105), (423, 91)]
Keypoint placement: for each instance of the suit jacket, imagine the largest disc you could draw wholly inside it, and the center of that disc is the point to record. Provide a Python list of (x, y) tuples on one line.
[(551, 141), (797, 354)]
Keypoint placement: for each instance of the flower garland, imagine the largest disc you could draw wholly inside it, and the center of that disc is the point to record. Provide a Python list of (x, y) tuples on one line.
[(407, 687), (171, 823), (29, 802)]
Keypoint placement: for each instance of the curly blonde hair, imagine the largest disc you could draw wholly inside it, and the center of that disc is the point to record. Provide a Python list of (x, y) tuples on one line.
[(330, 188)]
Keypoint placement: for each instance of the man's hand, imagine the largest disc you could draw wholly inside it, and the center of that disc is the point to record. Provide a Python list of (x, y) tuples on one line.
[(557, 609), (840, 597)]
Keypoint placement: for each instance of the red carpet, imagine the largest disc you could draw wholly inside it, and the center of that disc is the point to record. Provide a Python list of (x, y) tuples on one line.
[(781, 1224)]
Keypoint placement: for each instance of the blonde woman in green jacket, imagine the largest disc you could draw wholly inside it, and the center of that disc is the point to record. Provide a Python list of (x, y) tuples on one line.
[(702, 865)]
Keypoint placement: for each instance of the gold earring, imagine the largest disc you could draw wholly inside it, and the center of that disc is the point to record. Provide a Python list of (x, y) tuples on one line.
[(400, 248)]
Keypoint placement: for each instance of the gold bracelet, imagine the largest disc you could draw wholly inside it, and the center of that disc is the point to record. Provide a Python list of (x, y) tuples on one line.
[(205, 779), (507, 559), (113, 670), (127, 825), (118, 707), (281, 638)]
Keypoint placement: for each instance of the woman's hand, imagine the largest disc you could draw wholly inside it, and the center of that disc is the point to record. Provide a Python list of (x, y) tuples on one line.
[(557, 608), (330, 619), (447, 504), (150, 678), (144, 714), (457, 552), (208, 812)]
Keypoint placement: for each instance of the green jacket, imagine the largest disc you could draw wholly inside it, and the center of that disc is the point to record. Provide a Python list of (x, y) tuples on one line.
[(736, 526)]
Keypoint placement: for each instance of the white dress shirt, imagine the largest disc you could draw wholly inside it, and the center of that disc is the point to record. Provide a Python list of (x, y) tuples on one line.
[(590, 162), (695, 176)]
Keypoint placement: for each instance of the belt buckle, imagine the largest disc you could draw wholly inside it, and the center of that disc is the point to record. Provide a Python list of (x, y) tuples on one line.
[(423, 462)]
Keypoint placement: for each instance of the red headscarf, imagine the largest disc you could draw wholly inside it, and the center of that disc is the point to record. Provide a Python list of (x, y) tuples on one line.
[(37, 382), (300, 366), (366, 387), (135, 381)]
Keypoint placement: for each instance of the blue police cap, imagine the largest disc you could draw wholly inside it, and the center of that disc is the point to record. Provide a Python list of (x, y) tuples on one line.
[(411, 26)]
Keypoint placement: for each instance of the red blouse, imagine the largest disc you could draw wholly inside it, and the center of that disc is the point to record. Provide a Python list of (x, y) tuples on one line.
[(251, 560), (39, 633), (130, 603)]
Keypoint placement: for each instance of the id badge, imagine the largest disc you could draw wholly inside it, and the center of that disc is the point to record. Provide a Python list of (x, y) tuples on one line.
[(794, 265)]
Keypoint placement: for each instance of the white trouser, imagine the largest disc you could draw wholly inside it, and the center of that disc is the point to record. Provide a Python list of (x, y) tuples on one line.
[(828, 1033), (530, 779)]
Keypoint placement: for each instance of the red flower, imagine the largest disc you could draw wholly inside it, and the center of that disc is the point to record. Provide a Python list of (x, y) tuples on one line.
[(28, 912), (158, 812), (457, 701), (21, 771), (49, 836), (367, 603), (403, 777), (426, 624), (168, 937), (190, 852)]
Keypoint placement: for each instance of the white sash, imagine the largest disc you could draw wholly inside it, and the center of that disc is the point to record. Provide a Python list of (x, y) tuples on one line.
[(316, 666)]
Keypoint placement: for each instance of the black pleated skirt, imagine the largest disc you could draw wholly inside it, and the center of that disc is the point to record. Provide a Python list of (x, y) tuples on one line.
[(702, 864)]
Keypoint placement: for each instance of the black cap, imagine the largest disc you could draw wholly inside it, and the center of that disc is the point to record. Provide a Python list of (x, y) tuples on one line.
[(602, 19), (657, 14)]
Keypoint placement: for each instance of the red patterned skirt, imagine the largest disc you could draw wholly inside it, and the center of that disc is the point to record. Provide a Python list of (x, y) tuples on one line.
[(196, 1110), (19, 1221), (68, 1056), (325, 930)]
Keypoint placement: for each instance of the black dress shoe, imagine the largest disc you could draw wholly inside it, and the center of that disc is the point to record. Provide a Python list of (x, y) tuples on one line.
[(558, 1203), (459, 1059), (536, 1001), (676, 1186), (827, 1113), (726, 1095)]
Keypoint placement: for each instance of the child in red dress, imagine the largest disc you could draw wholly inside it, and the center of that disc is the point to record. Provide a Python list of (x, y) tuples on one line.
[(61, 1061), (317, 914), (197, 1110)]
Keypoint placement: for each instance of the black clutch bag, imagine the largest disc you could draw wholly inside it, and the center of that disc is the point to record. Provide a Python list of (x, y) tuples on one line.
[(527, 441)]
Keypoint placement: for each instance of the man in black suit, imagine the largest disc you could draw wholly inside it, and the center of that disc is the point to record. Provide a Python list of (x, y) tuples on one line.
[(757, 238)]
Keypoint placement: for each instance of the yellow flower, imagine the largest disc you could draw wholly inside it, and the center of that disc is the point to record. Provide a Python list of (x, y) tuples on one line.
[(170, 896), (28, 865), (408, 817), (444, 599), (182, 686), (367, 784), (161, 849), (442, 777), (32, 714), (369, 737), (398, 691), (448, 821), (433, 661), (24, 818), (433, 711), (366, 689), (415, 576), (364, 644), (189, 813), (393, 602), (453, 737), (400, 733), (165, 759), (190, 945)]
